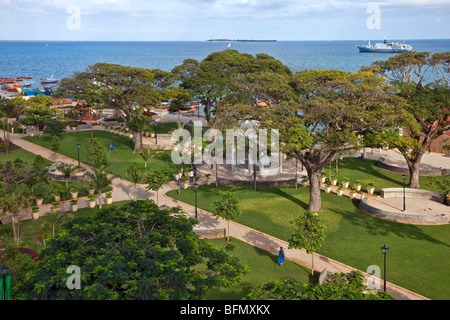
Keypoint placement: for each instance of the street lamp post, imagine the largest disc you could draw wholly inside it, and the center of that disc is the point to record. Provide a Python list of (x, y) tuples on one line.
[(404, 193), (78, 146), (195, 189), (3, 273), (384, 251)]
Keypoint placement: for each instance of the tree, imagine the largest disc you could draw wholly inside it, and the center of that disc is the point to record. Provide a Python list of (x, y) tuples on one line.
[(334, 110), (155, 180), (100, 180), (97, 153), (69, 170), (309, 234), (38, 111), (209, 81), (135, 252), (13, 202), (227, 208), (56, 144), (148, 154), (137, 175), (130, 91), (7, 109), (423, 80)]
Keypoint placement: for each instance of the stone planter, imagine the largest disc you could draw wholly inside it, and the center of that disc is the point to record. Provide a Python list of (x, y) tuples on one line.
[(91, 204), (340, 193), (322, 179), (353, 195), (109, 200), (334, 182), (358, 188), (57, 198), (36, 215), (185, 185), (370, 190), (74, 195), (74, 207), (208, 182), (345, 184), (305, 184), (91, 191), (327, 189), (39, 202)]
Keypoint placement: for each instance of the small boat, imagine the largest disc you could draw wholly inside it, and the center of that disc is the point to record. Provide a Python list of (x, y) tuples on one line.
[(49, 80), (385, 47)]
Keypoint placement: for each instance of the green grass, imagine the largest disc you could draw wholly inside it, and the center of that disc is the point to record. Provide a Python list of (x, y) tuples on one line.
[(18, 153), (121, 157), (418, 256), (262, 266)]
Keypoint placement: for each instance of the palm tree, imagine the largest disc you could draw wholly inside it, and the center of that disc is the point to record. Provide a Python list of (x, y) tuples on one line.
[(68, 170), (147, 155), (12, 202), (100, 179), (137, 175)]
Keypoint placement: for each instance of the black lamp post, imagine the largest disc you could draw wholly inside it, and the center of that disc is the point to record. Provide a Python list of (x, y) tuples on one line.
[(195, 189), (78, 146), (384, 251), (404, 195), (3, 273)]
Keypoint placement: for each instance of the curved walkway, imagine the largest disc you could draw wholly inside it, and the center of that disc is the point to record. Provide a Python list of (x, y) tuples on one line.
[(124, 190)]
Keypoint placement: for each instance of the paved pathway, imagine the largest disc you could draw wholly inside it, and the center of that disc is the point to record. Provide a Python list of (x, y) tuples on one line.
[(124, 190)]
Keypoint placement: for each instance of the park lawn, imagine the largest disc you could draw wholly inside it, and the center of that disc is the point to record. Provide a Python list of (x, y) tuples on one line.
[(20, 153), (262, 267), (121, 156), (418, 255)]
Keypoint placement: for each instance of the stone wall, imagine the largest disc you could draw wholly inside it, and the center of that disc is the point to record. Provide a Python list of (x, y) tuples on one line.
[(382, 163)]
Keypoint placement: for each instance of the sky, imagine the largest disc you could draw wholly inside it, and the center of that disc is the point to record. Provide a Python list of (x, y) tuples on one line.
[(198, 20)]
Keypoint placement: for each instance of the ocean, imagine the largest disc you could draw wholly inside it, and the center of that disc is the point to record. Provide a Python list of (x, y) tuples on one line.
[(42, 59)]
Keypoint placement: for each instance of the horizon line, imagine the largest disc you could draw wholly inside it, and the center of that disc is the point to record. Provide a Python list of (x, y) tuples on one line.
[(209, 40)]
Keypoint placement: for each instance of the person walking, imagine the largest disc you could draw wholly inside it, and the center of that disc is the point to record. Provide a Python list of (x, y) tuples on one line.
[(281, 257), (191, 176), (24, 129)]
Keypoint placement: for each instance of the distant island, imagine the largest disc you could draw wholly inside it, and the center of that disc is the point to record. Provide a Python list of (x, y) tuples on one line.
[(230, 40)]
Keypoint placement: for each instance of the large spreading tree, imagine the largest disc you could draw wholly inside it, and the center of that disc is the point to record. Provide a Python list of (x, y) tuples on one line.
[(135, 252), (332, 112), (423, 81), (130, 91)]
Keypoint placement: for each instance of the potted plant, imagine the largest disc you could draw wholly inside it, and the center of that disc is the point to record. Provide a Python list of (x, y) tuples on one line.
[(185, 182), (38, 198), (340, 190), (92, 198), (74, 204), (357, 185), (208, 178), (152, 134), (35, 212), (74, 192), (323, 177), (352, 193), (327, 185), (91, 190), (333, 180), (106, 129), (370, 188), (304, 181), (109, 197), (345, 182), (55, 206)]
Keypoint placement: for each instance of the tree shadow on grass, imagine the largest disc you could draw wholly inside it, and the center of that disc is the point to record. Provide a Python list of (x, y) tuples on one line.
[(280, 192), (383, 228), (368, 167)]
